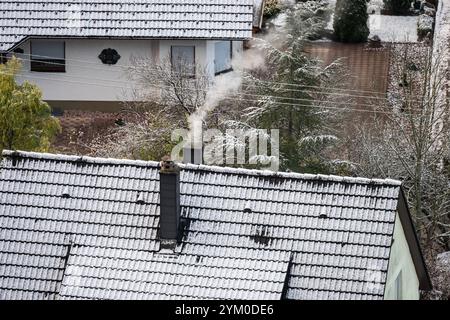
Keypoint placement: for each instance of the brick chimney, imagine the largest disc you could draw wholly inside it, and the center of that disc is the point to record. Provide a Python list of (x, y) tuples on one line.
[(169, 186)]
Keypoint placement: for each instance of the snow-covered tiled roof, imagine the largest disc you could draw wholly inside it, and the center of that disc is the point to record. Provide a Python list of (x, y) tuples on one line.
[(70, 227), (186, 19)]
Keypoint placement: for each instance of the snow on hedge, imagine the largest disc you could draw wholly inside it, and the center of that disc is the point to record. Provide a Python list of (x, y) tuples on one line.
[(394, 28), (388, 28)]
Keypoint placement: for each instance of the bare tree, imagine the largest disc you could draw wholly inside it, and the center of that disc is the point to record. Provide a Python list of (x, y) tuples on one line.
[(144, 135), (164, 98), (179, 90), (441, 277), (406, 141)]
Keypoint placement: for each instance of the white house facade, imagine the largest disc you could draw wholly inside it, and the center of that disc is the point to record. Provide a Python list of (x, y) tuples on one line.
[(402, 280), (407, 273), (80, 52), (80, 75)]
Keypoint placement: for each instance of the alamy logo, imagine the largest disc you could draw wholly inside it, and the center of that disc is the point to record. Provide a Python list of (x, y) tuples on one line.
[(232, 147)]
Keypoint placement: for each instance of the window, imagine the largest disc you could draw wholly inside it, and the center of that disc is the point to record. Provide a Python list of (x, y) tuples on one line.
[(398, 286), (183, 60), (48, 56), (223, 55)]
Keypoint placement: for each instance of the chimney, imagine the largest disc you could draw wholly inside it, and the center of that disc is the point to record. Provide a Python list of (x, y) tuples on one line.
[(193, 154), (193, 147), (169, 188)]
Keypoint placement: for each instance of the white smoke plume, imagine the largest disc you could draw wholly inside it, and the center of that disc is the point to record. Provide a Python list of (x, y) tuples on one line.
[(223, 87)]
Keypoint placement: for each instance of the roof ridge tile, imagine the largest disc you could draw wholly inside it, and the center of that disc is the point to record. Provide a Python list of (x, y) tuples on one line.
[(204, 168)]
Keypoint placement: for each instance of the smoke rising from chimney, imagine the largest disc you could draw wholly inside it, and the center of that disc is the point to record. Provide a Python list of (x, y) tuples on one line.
[(223, 87)]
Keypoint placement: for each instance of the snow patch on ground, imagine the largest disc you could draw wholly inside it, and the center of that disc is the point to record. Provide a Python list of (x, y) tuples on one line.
[(444, 260), (394, 28), (388, 28)]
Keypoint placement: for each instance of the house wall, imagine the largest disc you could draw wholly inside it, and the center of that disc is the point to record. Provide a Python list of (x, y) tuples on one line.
[(401, 261), (238, 47), (86, 77), (202, 51), (87, 80)]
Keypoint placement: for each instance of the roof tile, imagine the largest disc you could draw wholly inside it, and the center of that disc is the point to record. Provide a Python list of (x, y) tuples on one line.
[(192, 19), (334, 232)]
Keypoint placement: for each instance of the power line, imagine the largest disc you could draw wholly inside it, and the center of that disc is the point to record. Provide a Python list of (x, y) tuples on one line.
[(256, 85), (126, 67), (160, 86), (83, 62), (227, 98)]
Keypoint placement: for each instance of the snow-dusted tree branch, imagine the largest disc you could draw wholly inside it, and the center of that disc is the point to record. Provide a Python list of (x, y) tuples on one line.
[(404, 143), (181, 91), (292, 92)]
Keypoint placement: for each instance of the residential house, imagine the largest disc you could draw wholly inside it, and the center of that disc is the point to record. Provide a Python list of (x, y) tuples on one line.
[(78, 227), (258, 14), (78, 52)]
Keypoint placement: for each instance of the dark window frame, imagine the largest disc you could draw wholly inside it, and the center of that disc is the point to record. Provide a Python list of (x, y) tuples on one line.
[(48, 65), (231, 58), (193, 75)]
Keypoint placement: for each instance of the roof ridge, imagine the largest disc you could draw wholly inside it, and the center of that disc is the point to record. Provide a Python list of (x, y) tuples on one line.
[(74, 158), (292, 175), (220, 20), (206, 168)]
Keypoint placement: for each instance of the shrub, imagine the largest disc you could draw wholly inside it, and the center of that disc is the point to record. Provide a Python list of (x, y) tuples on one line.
[(397, 7), (424, 25), (271, 8), (350, 21), (26, 122)]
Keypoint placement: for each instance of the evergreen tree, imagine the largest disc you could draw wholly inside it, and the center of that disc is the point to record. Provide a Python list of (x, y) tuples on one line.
[(26, 122), (296, 80), (397, 7), (350, 21)]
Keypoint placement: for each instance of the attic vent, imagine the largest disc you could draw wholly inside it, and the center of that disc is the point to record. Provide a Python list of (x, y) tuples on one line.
[(323, 216), (109, 56), (65, 194), (141, 198), (248, 208)]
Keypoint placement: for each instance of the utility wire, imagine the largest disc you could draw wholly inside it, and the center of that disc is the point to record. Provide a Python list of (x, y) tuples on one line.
[(227, 98), (161, 86), (127, 67), (265, 83)]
